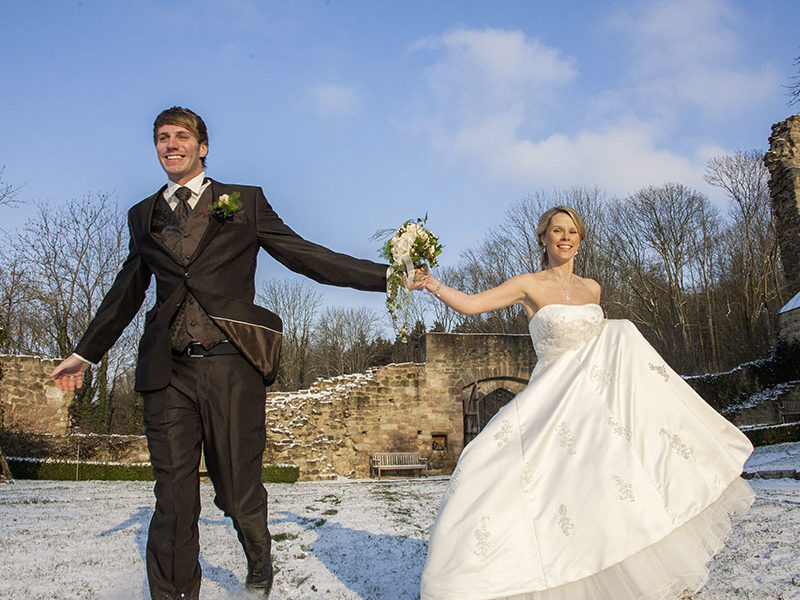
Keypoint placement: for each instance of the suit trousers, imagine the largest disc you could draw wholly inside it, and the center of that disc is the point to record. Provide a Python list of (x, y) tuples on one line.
[(215, 403)]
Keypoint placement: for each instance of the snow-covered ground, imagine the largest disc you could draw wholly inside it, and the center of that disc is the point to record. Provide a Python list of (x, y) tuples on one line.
[(349, 540)]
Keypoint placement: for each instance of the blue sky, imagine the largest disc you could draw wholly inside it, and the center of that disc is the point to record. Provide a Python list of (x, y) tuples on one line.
[(354, 116)]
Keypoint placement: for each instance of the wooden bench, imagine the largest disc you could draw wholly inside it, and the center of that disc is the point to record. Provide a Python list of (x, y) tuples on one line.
[(396, 461)]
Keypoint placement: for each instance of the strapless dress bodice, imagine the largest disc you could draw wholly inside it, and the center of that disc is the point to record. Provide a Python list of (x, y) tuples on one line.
[(558, 328)]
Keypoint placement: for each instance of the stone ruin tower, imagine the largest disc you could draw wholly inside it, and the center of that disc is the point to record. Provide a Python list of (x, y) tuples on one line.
[(783, 162)]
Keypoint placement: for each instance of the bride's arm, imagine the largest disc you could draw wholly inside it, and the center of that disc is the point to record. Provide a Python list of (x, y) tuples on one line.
[(507, 293)]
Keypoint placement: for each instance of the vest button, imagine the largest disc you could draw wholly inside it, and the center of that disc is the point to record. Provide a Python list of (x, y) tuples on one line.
[(186, 276)]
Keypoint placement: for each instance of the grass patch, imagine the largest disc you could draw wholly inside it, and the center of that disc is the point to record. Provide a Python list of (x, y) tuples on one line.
[(283, 537), (387, 495), (312, 522)]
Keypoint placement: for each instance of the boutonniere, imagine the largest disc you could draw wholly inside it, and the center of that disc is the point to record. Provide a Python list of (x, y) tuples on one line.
[(226, 206)]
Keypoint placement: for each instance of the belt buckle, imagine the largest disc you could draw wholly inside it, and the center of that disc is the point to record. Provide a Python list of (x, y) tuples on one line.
[(195, 350)]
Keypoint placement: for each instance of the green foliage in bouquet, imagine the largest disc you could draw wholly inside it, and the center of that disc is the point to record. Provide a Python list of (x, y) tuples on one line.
[(412, 245)]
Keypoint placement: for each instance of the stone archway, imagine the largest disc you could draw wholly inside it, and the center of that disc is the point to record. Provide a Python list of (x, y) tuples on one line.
[(483, 398)]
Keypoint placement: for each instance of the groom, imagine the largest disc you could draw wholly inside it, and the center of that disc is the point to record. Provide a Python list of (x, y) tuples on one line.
[(207, 350)]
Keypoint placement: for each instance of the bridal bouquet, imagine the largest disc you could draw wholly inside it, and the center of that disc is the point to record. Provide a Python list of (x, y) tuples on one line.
[(411, 246)]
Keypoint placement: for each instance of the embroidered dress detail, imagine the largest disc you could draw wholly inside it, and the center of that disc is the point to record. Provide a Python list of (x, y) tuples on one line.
[(504, 435), (556, 333), (619, 428), (526, 478), (677, 444), (660, 369), (625, 489), (566, 439), (454, 480), (482, 538), (564, 522), (602, 376)]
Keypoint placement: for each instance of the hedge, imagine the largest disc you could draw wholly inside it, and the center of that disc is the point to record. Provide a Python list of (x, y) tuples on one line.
[(65, 470), (70, 470), (280, 473), (774, 434)]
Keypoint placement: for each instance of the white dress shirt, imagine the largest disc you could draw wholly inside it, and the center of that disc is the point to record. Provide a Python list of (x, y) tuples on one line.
[(196, 184)]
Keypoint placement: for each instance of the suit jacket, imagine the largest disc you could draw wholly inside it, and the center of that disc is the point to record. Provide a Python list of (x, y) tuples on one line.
[(221, 276)]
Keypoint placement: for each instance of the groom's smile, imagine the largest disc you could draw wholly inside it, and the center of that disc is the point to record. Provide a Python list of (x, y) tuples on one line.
[(179, 153)]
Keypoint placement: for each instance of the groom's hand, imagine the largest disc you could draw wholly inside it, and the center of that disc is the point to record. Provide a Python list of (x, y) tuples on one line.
[(68, 375)]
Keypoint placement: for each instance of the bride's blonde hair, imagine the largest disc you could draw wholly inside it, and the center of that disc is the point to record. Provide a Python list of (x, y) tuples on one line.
[(544, 223)]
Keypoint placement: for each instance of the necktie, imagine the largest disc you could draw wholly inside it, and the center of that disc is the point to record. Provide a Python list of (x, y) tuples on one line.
[(182, 209)]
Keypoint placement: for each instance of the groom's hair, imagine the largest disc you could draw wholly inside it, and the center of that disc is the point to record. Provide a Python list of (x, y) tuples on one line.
[(183, 117)]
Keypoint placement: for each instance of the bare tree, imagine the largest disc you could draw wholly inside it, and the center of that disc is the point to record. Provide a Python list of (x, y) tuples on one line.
[(754, 287), (344, 340), (706, 272), (297, 303), (70, 256), (794, 87), (657, 234), (20, 322), (444, 318), (8, 192)]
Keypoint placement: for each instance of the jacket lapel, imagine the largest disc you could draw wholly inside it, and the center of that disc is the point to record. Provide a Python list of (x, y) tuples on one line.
[(148, 207), (213, 228)]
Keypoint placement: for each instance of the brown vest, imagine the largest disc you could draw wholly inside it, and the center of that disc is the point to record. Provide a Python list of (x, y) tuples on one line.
[(191, 323)]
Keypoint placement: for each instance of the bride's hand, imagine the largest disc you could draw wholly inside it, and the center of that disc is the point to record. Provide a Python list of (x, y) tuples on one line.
[(420, 277)]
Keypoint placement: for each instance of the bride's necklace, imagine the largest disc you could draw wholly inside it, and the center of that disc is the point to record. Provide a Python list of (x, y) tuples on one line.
[(565, 290)]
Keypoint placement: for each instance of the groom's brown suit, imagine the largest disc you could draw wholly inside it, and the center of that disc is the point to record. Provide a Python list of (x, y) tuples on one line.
[(215, 402)]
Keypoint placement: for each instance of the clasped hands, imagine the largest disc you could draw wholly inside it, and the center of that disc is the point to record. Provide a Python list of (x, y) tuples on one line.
[(420, 277)]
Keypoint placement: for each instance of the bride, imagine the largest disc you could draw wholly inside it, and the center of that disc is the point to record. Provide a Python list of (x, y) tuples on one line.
[(606, 477)]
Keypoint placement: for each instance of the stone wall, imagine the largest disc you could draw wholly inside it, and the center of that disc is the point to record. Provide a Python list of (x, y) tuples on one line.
[(330, 429), (783, 162), (29, 400), (790, 324)]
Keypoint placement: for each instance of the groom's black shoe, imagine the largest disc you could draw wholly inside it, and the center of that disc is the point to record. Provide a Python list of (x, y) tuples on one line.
[(260, 580)]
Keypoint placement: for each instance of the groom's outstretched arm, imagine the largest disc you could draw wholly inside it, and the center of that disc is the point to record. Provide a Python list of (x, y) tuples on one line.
[(119, 306), (312, 260)]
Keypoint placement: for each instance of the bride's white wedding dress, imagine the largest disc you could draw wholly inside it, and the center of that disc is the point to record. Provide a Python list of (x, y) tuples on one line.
[(606, 477)]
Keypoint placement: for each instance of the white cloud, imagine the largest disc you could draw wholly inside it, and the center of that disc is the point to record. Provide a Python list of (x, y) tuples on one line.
[(510, 103), (620, 158), (688, 53), (490, 70), (493, 90), (335, 100)]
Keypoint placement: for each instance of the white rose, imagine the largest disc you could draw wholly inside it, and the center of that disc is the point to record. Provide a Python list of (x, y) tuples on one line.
[(224, 199), (409, 237), (401, 247)]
